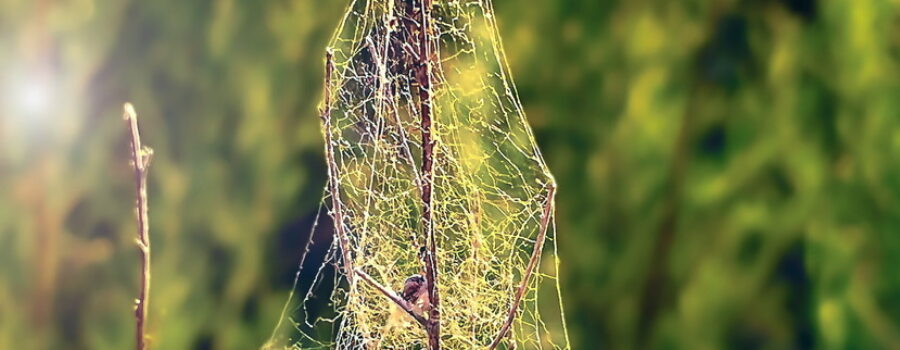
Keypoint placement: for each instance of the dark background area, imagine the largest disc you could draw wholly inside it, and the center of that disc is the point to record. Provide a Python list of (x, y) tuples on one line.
[(729, 171)]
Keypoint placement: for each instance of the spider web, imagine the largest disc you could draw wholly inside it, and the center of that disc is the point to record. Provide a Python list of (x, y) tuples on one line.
[(491, 192)]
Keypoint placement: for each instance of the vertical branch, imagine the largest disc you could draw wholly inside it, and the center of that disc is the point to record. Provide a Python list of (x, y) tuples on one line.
[(140, 159), (529, 270), (338, 217), (423, 77)]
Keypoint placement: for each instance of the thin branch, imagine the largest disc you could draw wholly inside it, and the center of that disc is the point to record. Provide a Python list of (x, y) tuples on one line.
[(140, 159), (529, 270), (343, 241), (423, 78), (403, 304)]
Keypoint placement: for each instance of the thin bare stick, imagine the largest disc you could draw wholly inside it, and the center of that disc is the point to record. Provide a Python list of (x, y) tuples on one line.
[(403, 304), (343, 241), (529, 270), (423, 78), (140, 159)]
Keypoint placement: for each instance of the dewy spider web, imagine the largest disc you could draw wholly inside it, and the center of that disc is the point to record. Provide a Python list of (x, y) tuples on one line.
[(492, 198)]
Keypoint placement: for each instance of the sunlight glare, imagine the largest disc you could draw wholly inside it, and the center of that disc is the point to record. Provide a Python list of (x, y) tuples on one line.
[(35, 95)]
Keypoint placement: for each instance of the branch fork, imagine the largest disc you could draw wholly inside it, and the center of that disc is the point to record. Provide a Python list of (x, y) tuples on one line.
[(403, 304)]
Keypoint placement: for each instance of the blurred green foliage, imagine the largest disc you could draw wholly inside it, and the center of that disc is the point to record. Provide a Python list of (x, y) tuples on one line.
[(729, 170)]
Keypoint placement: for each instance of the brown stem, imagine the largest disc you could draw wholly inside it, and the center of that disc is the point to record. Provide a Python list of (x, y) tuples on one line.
[(403, 304), (343, 241), (423, 77), (529, 270), (140, 159)]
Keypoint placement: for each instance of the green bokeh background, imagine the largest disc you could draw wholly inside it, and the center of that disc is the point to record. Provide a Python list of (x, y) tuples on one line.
[(729, 170)]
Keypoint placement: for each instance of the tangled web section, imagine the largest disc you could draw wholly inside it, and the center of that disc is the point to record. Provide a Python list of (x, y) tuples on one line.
[(491, 203)]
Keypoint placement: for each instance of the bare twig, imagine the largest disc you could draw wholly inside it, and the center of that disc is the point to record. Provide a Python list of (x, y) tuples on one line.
[(343, 241), (529, 270), (140, 159), (403, 304), (423, 78)]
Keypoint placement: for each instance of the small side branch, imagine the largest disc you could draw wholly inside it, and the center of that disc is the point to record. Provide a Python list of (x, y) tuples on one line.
[(338, 216), (140, 159), (403, 304), (529, 270)]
